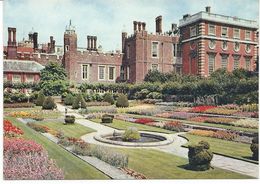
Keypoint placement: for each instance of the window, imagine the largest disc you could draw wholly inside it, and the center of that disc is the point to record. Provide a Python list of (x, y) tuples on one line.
[(85, 71), (212, 44), (212, 30), (224, 45), (101, 72), (248, 63), (248, 35), (236, 33), (16, 78), (224, 31), (236, 46), (128, 52), (154, 67), (155, 49), (211, 63), (29, 78), (111, 73), (174, 50), (224, 61), (236, 62), (248, 48), (193, 31), (67, 48), (5, 77)]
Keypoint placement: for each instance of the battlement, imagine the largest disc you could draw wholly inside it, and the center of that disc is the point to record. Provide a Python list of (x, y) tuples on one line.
[(87, 53)]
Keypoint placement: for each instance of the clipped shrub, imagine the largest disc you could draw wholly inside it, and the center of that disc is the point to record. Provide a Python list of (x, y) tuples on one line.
[(106, 118), (79, 102), (108, 98), (40, 99), (200, 156), (69, 119), (49, 103), (122, 101), (69, 99), (131, 134), (254, 148)]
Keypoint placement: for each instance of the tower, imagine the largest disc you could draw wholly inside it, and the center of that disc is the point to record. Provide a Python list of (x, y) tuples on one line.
[(11, 45), (70, 39)]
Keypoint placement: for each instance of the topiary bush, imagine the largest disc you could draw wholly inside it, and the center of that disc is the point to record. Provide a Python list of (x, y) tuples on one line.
[(122, 101), (49, 104), (200, 156), (254, 148), (131, 134), (108, 98), (106, 118), (69, 119), (40, 99), (79, 99), (69, 99)]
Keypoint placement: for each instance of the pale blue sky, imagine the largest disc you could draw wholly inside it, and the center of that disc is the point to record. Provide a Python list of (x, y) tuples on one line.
[(107, 18)]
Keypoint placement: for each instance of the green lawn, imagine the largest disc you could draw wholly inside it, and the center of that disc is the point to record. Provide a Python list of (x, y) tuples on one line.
[(122, 125), (70, 130), (229, 148), (254, 130), (73, 167), (159, 165)]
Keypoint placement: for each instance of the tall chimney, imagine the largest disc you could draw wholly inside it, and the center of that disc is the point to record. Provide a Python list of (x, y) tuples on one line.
[(143, 25), (135, 25), (139, 26), (9, 36), (174, 27), (158, 21), (208, 9), (88, 43), (11, 45), (95, 43), (35, 40), (124, 36), (91, 46)]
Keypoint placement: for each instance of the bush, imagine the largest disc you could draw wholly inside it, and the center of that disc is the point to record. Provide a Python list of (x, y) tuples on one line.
[(122, 101), (108, 98), (40, 99), (131, 134), (69, 119), (200, 156), (254, 148), (106, 118), (49, 103), (69, 99), (79, 102)]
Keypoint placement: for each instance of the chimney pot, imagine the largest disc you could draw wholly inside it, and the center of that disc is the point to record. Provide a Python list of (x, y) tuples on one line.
[(158, 24), (208, 9)]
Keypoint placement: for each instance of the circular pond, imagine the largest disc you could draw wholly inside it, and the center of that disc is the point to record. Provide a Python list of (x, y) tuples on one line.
[(147, 139)]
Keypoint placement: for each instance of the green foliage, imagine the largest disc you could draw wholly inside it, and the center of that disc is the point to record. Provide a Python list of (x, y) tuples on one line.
[(69, 99), (255, 148), (106, 118), (108, 98), (155, 76), (69, 119), (40, 99), (140, 95), (131, 134), (15, 97), (122, 101), (79, 102), (154, 95), (53, 71), (49, 103), (20, 85), (200, 156)]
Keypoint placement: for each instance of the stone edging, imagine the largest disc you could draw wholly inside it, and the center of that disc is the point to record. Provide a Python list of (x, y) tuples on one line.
[(168, 140)]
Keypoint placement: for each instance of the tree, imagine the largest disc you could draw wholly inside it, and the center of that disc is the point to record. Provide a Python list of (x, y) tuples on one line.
[(40, 99), (122, 101), (155, 76), (53, 80), (49, 104), (79, 102), (108, 98)]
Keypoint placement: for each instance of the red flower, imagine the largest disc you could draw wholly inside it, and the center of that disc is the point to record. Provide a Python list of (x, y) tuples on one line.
[(144, 120), (10, 129), (202, 108)]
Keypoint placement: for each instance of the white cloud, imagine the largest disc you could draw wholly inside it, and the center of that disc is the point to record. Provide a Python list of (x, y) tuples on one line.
[(105, 18)]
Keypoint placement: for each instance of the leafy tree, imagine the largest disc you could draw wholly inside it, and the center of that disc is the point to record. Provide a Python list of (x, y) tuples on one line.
[(49, 103), (69, 99), (122, 101), (79, 100), (40, 99), (155, 76), (108, 98)]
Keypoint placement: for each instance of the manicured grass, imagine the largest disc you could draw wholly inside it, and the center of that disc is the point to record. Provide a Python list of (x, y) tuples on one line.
[(160, 165), (70, 130), (228, 148), (254, 130), (123, 125), (73, 167)]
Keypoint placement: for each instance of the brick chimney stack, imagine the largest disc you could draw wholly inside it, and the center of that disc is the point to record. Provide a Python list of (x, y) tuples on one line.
[(95, 43), (143, 26), (35, 40), (208, 9), (124, 37), (11, 44), (88, 43), (158, 23), (135, 26)]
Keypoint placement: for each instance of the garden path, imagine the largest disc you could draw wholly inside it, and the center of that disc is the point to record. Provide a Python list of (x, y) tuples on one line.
[(175, 148)]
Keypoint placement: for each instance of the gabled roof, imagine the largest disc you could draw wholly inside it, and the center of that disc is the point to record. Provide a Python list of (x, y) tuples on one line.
[(22, 66)]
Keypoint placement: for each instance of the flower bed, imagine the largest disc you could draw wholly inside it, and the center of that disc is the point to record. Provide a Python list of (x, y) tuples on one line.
[(221, 111), (25, 159), (200, 119), (174, 126), (219, 120), (10, 130), (38, 128), (36, 115), (164, 115), (182, 115), (19, 105), (226, 135), (144, 120), (230, 106), (199, 109), (246, 123), (246, 114)]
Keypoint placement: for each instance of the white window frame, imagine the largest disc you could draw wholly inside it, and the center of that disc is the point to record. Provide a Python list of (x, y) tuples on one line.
[(222, 45), (212, 42), (248, 38), (236, 50), (222, 31), (157, 49), (214, 62), (222, 63), (114, 73), (67, 48), (234, 36), (156, 67), (247, 63), (236, 61), (82, 72), (31, 79), (209, 33), (193, 31), (104, 75), (15, 78)]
